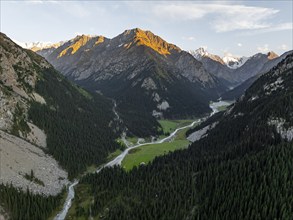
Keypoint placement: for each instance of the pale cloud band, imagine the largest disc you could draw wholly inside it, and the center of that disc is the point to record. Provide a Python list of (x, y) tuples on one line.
[(223, 18)]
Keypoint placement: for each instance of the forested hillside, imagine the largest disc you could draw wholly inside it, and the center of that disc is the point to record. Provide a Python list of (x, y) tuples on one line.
[(25, 205), (77, 123), (148, 77), (241, 170), (78, 126)]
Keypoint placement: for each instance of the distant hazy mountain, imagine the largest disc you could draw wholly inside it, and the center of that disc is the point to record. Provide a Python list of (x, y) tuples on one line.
[(145, 74), (234, 62), (240, 89), (254, 65), (232, 70), (216, 66)]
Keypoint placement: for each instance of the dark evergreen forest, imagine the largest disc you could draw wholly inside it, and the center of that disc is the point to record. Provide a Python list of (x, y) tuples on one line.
[(21, 205), (77, 123), (241, 170)]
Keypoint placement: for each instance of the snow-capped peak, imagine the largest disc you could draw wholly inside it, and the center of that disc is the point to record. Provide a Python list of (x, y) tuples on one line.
[(35, 46), (234, 62), (202, 52), (199, 53)]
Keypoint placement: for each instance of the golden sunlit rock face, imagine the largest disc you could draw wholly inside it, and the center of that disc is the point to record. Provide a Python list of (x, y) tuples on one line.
[(272, 55), (134, 37), (72, 49), (100, 40), (146, 38)]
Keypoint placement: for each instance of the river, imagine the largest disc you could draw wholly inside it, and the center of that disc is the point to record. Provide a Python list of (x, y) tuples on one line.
[(117, 160)]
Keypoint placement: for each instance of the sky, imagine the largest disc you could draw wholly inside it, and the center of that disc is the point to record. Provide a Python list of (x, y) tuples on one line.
[(240, 28)]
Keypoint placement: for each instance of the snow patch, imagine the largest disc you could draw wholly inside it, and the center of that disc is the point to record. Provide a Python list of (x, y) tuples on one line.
[(35, 46), (199, 53), (234, 62)]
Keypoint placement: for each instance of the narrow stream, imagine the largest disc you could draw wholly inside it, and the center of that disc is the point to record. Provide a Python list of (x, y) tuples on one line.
[(117, 161)]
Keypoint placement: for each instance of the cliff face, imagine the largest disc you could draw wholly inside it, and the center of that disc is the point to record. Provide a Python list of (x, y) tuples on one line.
[(21, 142), (19, 74)]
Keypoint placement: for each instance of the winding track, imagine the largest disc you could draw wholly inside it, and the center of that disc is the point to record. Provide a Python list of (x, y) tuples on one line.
[(117, 160)]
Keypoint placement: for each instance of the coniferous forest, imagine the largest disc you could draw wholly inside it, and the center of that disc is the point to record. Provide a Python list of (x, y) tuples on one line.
[(77, 123), (241, 170), (79, 126), (27, 206), (240, 166)]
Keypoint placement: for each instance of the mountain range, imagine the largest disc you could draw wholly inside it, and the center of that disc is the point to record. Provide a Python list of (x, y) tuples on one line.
[(62, 115), (239, 168), (150, 78)]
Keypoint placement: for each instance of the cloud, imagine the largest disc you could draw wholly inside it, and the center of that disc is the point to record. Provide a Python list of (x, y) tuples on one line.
[(34, 2), (263, 49), (37, 2), (239, 44), (180, 12), (222, 17), (272, 28), (191, 38), (283, 47), (80, 9)]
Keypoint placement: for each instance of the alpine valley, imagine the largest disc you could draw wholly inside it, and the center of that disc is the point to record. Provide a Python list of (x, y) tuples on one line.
[(133, 127), (148, 77), (151, 78)]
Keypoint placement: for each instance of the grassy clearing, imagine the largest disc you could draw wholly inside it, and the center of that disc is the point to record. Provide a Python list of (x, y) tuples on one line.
[(147, 153), (222, 108), (171, 125)]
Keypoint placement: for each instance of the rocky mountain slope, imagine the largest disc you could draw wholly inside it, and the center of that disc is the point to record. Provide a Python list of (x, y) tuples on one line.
[(19, 156), (254, 65), (234, 62), (215, 65), (240, 89), (47, 124), (240, 169), (233, 71), (147, 76)]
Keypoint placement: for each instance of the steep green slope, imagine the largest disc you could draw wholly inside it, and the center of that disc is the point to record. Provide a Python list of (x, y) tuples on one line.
[(78, 125), (241, 170)]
